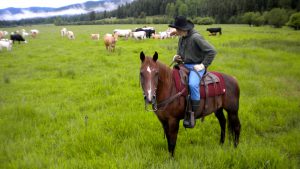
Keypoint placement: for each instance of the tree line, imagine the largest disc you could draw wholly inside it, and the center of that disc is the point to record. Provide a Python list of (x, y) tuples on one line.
[(252, 12)]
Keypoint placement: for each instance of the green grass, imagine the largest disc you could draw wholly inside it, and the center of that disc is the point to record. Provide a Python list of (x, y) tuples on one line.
[(71, 104)]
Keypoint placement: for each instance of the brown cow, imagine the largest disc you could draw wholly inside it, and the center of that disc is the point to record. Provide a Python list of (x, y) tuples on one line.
[(1, 34), (110, 41), (95, 36), (155, 36)]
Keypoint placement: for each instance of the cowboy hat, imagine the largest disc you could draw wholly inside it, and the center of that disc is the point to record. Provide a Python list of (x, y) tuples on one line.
[(182, 23)]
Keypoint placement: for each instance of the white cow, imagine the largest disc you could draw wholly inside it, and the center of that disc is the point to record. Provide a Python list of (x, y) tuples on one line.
[(123, 32), (6, 44), (63, 32), (70, 35), (34, 32), (139, 35), (148, 28), (24, 34), (163, 35)]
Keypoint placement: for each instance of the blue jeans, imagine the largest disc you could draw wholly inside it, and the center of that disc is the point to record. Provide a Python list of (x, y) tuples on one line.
[(194, 81)]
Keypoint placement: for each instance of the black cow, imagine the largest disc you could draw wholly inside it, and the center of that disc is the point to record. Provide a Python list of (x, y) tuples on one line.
[(214, 31), (17, 37), (148, 31)]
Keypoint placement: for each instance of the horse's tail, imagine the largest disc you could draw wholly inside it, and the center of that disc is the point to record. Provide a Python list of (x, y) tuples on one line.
[(230, 127), (233, 124), (234, 128)]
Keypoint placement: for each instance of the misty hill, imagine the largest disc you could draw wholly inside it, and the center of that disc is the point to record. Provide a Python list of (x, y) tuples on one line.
[(79, 8)]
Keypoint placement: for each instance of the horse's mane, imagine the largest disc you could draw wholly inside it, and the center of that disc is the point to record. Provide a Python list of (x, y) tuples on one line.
[(165, 72)]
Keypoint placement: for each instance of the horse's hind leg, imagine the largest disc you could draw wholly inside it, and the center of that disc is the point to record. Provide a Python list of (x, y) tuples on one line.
[(234, 126), (222, 120)]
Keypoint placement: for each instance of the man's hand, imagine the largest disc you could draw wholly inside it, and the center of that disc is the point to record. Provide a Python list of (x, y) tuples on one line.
[(177, 58), (199, 67)]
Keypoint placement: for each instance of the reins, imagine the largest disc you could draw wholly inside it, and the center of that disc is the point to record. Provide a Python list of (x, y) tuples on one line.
[(170, 99), (164, 103)]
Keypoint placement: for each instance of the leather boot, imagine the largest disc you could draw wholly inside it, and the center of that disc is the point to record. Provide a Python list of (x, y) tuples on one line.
[(189, 119), (195, 105)]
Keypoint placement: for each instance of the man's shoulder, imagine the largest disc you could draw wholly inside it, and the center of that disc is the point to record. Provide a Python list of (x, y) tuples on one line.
[(196, 36), (194, 33)]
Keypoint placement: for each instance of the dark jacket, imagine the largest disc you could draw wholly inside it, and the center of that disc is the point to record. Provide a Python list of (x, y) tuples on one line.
[(194, 49)]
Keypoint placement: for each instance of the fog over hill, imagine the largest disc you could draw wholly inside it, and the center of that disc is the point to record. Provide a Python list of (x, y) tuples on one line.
[(82, 8)]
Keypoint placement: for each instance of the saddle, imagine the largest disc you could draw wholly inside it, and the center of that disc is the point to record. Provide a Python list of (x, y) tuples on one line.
[(211, 85)]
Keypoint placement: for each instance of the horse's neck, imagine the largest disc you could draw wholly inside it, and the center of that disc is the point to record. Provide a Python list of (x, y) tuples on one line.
[(165, 86)]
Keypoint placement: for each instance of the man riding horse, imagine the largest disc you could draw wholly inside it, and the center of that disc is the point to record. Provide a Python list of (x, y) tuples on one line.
[(196, 54)]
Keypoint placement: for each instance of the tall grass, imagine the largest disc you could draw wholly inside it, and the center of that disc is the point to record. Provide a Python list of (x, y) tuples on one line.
[(72, 104)]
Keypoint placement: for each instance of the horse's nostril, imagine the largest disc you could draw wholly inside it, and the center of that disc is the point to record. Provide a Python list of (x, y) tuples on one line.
[(154, 99), (147, 100)]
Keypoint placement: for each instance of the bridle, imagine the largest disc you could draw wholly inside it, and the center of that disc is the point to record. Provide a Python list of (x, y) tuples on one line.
[(163, 104), (154, 101)]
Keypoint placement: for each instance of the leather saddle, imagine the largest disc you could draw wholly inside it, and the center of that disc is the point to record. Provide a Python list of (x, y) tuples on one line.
[(211, 85), (208, 79)]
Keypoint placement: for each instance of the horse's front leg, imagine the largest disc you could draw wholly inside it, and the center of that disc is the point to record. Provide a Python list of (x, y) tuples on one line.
[(173, 126), (165, 127)]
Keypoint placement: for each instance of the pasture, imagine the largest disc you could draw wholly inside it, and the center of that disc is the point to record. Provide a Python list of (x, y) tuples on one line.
[(71, 104)]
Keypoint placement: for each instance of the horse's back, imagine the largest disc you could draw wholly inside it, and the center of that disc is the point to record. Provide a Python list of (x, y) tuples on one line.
[(231, 84)]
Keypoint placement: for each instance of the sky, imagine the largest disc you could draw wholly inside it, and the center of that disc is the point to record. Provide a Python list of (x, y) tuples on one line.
[(38, 3)]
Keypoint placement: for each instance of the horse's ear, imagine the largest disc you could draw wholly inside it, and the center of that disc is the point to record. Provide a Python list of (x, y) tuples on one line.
[(142, 56), (155, 56)]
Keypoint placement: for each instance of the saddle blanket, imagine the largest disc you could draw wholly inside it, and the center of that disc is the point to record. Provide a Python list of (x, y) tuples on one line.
[(214, 88)]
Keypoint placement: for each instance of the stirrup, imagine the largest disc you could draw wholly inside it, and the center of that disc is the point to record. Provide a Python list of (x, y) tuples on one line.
[(189, 120)]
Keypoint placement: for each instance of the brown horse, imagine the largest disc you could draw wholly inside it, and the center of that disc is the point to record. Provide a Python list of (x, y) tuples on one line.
[(169, 106)]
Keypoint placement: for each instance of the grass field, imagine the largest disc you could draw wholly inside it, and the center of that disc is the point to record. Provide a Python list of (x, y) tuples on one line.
[(71, 104)]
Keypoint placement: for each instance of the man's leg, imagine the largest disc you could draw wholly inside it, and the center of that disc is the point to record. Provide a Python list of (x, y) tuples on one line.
[(194, 86)]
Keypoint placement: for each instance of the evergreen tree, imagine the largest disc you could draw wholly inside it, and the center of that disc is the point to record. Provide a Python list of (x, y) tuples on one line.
[(170, 10), (294, 21), (280, 17), (92, 16), (183, 10)]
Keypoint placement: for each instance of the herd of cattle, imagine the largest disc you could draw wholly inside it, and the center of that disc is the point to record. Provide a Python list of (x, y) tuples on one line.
[(109, 39), (15, 36)]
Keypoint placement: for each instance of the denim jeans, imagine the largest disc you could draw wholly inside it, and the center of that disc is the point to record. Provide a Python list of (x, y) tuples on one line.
[(194, 81)]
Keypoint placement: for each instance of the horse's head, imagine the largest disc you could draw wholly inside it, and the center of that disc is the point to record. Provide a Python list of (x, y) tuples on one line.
[(149, 77)]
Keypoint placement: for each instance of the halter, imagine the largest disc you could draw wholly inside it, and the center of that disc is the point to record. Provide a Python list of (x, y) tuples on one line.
[(162, 104), (154, 102)]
